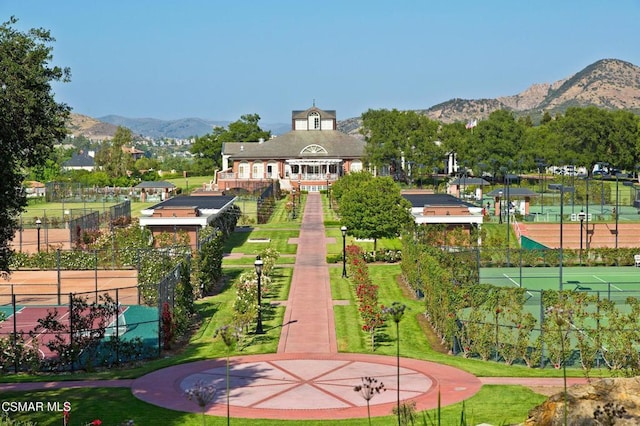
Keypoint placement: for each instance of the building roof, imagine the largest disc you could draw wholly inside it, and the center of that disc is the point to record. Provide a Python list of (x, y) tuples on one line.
[(79, 160), (335, 144), (202, 202), (298, 114), (421, 200), (150, 184)]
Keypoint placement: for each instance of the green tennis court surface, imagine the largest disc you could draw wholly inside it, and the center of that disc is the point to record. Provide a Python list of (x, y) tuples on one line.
[(614, 279)]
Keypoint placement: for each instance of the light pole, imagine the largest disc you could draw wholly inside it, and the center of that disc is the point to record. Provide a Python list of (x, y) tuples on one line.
[(329, 194), (581, 216), (38, 226), (505, 173), (258, 265), (540, 163), (616, 214), (327, 186), (586, 232), (344, 251), (560, 187)]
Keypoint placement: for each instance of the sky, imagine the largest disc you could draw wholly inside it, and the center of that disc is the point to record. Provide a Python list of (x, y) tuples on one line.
[(219, 60)]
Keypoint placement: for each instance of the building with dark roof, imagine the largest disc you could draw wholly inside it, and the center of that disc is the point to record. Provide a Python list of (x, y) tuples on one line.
[(79, 161), (443, 208), (185, 213), (311, 156)]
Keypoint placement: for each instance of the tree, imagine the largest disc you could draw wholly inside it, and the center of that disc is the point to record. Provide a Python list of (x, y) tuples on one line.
[(393, 135), (112, 158), (374, 209), (208, 148), (31, 121)]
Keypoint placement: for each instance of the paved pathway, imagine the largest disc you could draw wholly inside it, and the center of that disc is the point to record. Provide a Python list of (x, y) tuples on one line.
[(309, 313), (307, 378)]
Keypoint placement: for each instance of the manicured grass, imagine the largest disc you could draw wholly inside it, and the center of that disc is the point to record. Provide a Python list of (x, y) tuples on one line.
[(194, 182), (250, 242), (115, 405), (335, 247)]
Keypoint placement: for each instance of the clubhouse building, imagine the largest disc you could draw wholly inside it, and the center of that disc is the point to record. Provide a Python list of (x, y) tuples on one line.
[(309, 157)]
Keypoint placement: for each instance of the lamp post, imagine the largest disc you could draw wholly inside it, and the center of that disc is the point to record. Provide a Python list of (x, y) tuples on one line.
[(586, 232), (38, 226), (258, 265), (327, 185), (560, 187), (344, 251), (581, 217), (505, 173), (500, 209), (329, 195), (616, 214), (541, 165)]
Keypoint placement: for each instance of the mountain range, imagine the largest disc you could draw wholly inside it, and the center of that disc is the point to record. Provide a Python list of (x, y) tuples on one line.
[(607, 83)]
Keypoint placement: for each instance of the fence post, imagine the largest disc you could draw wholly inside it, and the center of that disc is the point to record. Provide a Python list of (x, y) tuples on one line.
[(71, 330), (59, 277), (117, 327), (541, 331), (15, 331), (598, 329), (95, 258)]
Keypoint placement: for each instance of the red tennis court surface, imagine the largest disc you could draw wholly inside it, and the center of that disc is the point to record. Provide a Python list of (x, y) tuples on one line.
[(25, 322), (47, 287)]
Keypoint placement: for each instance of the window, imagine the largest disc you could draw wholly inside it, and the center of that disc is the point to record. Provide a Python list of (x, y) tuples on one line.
[(314, 121), (242, 170)]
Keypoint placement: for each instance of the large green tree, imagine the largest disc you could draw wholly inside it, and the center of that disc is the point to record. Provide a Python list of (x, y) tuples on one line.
[(112, 159), (373, 207), (31, 120), (403, 139), (208, 148)]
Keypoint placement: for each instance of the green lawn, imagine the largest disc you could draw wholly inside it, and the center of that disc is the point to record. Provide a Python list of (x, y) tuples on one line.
[(115, 405), (255, 240)]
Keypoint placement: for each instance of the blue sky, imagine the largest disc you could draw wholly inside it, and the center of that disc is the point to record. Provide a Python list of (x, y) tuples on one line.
[(221, 59)]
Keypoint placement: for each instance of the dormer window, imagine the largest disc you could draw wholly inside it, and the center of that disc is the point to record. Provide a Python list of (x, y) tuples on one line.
[(314, 121)]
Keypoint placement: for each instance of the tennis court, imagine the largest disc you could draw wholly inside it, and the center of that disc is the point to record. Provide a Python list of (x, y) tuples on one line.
[(130, 323), (616, 281), (52, 287)]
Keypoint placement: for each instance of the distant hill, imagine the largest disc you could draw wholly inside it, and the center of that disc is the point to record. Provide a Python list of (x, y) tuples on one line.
[(105, 127), (82, 125), (608, 83), (178, 129)]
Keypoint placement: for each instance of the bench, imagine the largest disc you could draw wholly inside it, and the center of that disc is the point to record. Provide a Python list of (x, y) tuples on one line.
[(636, 259), (579, 287)]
